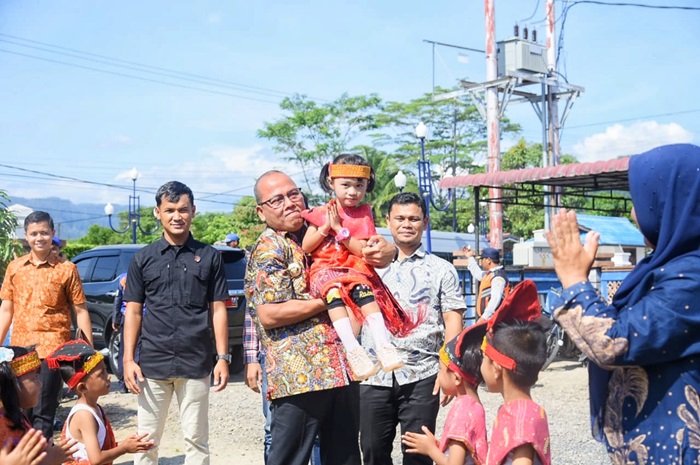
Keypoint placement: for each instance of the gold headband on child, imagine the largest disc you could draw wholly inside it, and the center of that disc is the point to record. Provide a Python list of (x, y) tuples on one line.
[(498, 357), (73, 351), (451, 360), (349, 171), (22, 364)]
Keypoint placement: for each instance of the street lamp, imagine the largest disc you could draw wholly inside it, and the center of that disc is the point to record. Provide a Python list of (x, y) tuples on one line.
[(400, 181), (134, 219), (425, 183)]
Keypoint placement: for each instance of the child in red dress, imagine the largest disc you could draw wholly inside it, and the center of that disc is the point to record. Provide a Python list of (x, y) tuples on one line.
[(463, 440), (335, 237), (20, 388), (514, 353)]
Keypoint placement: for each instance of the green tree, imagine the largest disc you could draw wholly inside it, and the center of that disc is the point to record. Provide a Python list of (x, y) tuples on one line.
[(100, 235), (9, 246), (456, 144), (213, 226), (311, 134)]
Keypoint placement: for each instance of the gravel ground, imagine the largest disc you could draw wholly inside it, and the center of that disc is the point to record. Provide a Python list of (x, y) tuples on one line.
[(236, 421)]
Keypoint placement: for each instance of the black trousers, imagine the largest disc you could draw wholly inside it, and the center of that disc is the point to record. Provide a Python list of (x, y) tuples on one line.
[(332, 414), (382, 408), (42, 415)]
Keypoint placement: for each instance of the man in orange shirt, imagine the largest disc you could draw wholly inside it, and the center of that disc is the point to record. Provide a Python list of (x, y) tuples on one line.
[(37, 295)]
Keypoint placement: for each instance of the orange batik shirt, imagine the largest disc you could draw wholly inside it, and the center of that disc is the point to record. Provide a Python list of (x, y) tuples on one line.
[(42, 295)]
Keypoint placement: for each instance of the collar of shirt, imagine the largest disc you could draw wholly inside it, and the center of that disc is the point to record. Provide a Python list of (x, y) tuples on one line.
[(295, 236), (419, 253), (31, 258), (164, 245)]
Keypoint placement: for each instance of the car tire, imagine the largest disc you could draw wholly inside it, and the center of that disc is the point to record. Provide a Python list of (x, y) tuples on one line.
[(114, 345)]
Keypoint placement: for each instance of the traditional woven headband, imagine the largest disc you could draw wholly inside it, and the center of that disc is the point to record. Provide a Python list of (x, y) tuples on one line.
[(71, 352), (492, 353), (26, 363), (451, 365), (349, 171)]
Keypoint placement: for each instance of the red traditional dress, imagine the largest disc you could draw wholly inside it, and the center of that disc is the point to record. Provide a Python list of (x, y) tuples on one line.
[(520, 422), (466, 423), (105, 435), (9, 434), (334, 266)]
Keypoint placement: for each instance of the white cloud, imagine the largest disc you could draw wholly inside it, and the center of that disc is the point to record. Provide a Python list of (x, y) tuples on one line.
[(619, 140), (214, 18)]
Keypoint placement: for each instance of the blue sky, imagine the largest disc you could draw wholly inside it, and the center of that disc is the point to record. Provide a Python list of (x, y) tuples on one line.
[(639, 68)]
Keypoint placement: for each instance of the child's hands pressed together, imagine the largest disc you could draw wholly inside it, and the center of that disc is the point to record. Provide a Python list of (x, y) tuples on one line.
[(30, 450), (420, 443), (135, 443), (333, 217), (60, 452)]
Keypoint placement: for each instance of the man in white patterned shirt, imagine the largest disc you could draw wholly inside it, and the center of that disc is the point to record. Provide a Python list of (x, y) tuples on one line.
[(409, 395)]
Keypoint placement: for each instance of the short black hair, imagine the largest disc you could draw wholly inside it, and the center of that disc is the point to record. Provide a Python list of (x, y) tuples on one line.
[(407, 198), (172, 191), (526, 343), (345, 159), (472, 355), (38, 217)]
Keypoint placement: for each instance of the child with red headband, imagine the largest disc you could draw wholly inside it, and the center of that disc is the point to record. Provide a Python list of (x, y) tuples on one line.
[(514, 353), (463, 440), (335, 237), (20, 388), (84, 371)]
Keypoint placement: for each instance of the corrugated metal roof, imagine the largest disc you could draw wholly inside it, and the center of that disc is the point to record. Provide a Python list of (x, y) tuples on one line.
[(613, 231), (599, 175)]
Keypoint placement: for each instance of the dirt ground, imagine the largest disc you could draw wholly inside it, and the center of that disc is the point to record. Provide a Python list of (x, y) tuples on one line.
[(236, 421)]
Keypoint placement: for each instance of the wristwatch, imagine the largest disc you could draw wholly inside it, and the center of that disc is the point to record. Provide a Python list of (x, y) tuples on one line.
[(226, 357), (342, 235)]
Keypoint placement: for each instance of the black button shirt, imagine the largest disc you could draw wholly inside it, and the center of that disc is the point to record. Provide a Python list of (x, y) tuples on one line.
[(176, 283)]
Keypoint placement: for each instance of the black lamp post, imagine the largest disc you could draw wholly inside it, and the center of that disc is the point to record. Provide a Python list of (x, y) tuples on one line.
[(134, 219), (425, 183)]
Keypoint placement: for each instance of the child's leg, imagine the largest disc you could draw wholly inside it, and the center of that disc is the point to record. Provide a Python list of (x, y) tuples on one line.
[(359, 361), (387, 354)]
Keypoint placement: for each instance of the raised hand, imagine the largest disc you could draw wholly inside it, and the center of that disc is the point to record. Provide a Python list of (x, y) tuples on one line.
[(572, 260), (30, 450)]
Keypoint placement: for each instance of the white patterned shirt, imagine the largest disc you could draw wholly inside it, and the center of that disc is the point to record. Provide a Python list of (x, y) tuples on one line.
[(421, 280)]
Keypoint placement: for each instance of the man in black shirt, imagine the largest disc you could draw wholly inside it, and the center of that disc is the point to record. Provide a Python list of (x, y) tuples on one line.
[(182, 283)]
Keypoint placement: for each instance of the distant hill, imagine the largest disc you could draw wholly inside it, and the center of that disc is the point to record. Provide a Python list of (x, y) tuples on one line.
[(70, 219)]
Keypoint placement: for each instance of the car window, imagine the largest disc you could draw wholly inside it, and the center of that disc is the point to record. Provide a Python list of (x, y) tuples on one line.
[(84, 266), (235, 270), (105, 268)]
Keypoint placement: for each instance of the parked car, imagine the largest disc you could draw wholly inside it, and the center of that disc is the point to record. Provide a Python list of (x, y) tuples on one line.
[(99, 269)]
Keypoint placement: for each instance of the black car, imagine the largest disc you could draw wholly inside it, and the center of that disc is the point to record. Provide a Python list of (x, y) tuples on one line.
[(99, 269)]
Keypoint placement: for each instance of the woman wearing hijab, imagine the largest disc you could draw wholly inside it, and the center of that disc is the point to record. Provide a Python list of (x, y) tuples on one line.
[(645, 346)]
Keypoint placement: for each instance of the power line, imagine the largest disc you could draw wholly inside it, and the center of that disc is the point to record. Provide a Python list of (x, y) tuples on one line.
[(659, 115), (138, 68), (146, 67), (637, 5), (131, 76)]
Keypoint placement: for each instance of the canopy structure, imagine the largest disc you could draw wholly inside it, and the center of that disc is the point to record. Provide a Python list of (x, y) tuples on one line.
[(597, 180)]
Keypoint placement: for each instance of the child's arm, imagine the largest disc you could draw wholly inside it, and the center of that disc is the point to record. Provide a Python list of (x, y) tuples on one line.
[(313, 237), (523, 455), (458, 452), (425, 444), (85, 426)]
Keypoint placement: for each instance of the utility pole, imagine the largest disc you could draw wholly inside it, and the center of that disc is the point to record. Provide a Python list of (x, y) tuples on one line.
[(493, 129), (552, 109)]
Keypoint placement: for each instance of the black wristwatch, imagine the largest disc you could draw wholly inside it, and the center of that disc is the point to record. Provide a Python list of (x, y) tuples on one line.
[(226, 357)]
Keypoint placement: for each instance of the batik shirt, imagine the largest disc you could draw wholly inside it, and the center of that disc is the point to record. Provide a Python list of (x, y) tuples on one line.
[(301, 357), (420, 283), (42, 294)]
